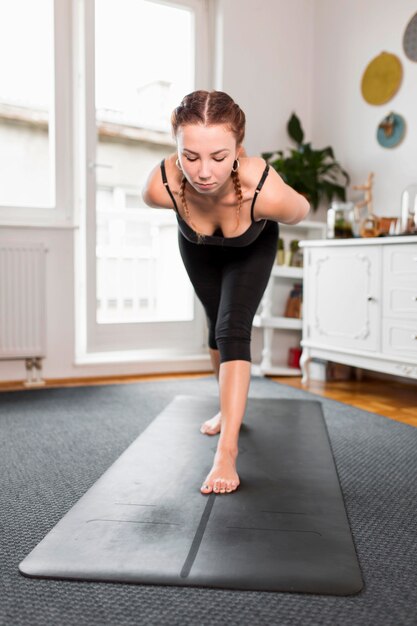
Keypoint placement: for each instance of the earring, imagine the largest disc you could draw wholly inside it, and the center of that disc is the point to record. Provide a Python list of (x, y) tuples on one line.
[(235, 165), (177, 163)]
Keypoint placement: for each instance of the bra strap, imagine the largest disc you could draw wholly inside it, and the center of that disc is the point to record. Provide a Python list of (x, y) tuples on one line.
[(165, 181), (258, 189)]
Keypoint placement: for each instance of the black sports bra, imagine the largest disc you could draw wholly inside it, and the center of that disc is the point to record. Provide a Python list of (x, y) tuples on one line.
[(244, 239)]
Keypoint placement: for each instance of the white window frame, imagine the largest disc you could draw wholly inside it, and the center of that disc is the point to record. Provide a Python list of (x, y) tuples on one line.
[(93, 338), (61, 152)]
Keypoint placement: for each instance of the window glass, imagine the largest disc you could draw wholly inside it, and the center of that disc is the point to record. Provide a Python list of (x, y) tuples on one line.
[(26, 103)]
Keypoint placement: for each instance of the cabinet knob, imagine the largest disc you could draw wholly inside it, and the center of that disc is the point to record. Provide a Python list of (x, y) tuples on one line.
[(414, 337), (371, 299), (414, 299)]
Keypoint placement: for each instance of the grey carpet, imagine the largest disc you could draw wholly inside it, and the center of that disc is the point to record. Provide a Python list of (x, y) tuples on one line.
[(55, 443)]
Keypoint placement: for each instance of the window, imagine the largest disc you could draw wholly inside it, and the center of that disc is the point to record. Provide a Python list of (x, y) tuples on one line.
[(26, 103), (145, 56), (35, 80)]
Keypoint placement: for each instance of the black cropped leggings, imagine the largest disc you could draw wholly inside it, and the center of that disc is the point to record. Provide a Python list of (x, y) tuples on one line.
[(229, 282)]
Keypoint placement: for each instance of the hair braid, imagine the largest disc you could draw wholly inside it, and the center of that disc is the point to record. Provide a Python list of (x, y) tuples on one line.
[(239, 195), (200, 236)]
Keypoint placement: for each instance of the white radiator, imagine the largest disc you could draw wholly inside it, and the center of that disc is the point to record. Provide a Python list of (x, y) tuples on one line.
[(22, 300)]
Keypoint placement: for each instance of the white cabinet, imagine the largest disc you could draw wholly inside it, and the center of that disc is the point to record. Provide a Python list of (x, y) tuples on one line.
[(343, 295), (270, 317), (360, 304)]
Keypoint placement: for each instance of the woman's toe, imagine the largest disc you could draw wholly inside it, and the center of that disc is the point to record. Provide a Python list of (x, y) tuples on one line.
[(206, 488)]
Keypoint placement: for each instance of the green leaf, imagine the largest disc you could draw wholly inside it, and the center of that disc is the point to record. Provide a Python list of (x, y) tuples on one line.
[(294, 129)]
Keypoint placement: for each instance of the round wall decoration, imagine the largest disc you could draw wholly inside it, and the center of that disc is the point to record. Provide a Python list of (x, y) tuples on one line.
[(382, 78), (391, 130), (410, 39)]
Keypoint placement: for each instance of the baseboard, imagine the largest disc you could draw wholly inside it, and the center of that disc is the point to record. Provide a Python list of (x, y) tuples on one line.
[(15, 385)]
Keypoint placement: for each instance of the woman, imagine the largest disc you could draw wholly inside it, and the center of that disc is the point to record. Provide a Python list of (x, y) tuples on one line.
[(228, 207)]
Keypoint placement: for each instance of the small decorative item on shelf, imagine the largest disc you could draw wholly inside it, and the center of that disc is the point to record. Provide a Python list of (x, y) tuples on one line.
[(293, 306), (281, 252), (294, 355), (296, 254), (340, 218), (374, 226), (409, 210), (364, 207), (370, 226), (389, 226)]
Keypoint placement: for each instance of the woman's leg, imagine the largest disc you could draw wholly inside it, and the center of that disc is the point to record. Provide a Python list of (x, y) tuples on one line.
[(245, 277), (204, 268), (215, 361), (212, 426), (234, 387)]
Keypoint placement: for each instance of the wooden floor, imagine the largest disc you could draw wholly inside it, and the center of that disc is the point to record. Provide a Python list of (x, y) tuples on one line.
[(390, 398), (393, 399)]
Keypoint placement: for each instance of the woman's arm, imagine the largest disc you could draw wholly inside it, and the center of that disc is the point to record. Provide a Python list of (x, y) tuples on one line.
[(154, 193), (279, 202)]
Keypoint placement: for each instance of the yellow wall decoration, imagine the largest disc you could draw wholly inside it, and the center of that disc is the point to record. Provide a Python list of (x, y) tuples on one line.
[(382, 78)]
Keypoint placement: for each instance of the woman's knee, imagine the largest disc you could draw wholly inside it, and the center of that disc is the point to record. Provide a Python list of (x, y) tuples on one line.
[(234, 324), (234, 350), (233, 338)]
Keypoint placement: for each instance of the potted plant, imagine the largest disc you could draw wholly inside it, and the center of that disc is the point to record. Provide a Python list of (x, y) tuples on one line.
[(313, 173), (281, 252)]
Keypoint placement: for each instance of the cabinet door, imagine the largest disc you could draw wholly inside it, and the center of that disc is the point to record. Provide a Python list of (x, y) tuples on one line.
[(343, 297)]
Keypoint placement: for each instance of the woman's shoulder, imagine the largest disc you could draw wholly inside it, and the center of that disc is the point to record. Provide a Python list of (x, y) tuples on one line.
[(277, 201), (155, 193), (251, 170)]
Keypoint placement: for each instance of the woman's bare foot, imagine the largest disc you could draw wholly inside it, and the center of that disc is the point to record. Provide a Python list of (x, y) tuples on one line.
[(212, 426), (223, 477)]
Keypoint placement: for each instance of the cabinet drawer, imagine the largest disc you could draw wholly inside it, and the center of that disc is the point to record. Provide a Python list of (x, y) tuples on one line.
[(400, 301), (400, 264), (399, 337)]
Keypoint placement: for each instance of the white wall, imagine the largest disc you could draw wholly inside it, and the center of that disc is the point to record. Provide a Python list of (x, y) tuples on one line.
[(268, 66), (278, 56), (348, 34)]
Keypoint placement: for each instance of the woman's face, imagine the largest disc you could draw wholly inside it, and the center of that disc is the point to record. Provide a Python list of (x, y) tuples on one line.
[(206, 155)]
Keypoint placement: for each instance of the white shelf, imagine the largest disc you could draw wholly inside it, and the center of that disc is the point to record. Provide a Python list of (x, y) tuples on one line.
[(285, 271), (261, 321), (274, 359)]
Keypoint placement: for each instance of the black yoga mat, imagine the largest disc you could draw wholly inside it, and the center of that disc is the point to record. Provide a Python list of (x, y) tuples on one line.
[(145, 520)]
